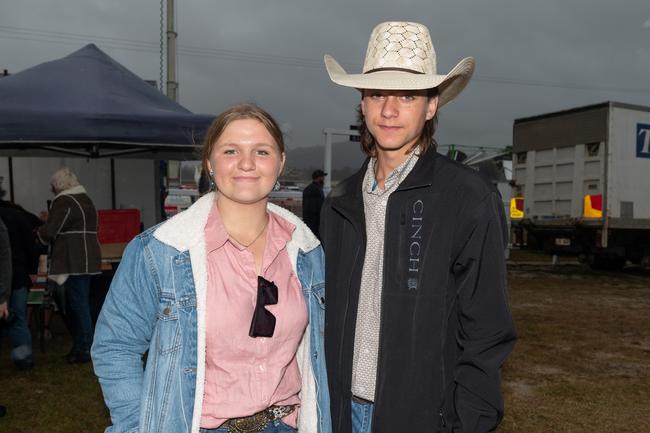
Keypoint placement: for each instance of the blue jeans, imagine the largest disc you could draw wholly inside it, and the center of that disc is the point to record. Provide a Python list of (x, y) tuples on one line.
[(276, 426), (361, 417), (77, 293), (21, 338)]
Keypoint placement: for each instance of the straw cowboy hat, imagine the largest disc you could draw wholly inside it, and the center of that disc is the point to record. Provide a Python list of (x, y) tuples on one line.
[(401, 56)]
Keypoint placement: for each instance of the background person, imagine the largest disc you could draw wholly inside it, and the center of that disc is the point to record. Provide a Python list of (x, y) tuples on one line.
[(24, 262), (312, 201), (5, 281), (71, 230), (227, 298), (5, 271)]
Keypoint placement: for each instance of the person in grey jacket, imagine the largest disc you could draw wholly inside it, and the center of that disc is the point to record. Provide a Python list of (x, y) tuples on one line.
[(71, 230)]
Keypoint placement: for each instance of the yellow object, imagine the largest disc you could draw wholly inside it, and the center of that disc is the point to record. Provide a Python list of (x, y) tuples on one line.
[(517, 208), (593, 206)]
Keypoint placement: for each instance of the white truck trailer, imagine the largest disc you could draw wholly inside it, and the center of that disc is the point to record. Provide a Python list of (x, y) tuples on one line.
[(582, 183)]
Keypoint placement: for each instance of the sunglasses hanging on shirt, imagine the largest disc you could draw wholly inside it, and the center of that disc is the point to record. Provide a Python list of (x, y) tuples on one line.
[(263, 323)]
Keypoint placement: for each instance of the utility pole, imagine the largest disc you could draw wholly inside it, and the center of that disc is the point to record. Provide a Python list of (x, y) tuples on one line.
[(172, 84), (161, 167)]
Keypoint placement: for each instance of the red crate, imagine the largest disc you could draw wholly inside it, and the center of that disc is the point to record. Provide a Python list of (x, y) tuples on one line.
[(117, 225)]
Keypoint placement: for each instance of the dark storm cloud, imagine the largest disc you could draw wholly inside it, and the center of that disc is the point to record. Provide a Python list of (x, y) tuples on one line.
[(532, 57)]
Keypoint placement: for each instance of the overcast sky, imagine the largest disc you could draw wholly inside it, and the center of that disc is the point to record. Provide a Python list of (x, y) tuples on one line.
[(533, 56)]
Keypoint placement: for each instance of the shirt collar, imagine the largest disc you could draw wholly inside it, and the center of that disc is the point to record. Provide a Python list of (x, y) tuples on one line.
[(279, 232), (215, 232), (393, 179)]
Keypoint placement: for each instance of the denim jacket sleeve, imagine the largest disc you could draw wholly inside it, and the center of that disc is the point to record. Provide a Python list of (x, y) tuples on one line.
[(122, 336)]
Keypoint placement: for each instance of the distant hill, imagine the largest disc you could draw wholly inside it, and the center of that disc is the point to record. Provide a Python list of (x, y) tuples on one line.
[(302, 161)]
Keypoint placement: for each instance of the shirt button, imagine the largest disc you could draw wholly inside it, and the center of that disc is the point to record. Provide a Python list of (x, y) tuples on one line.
[(261, 367)]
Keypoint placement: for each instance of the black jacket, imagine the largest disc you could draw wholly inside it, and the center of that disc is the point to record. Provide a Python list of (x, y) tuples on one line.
[(312, 202), (446, 326), (24, 253), (5, 264)]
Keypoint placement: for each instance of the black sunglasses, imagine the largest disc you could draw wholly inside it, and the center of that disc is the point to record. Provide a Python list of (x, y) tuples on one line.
[(263, 323)]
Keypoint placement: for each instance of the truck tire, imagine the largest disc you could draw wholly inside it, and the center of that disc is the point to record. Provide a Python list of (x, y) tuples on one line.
[(607, 263)]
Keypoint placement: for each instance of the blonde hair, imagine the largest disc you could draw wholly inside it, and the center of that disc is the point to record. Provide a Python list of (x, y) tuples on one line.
[(63, 179)]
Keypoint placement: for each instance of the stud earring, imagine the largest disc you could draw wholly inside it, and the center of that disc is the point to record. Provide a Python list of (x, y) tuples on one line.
[(213, 186)]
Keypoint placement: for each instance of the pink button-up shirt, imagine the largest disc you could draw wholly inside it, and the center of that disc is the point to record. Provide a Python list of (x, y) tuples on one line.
[(245, 375)]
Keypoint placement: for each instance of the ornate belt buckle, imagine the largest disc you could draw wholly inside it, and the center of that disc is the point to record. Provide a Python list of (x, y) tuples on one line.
[(250, 424)]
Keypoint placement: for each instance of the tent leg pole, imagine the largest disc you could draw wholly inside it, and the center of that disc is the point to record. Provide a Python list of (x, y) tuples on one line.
[(113, 183), (158, 188), (11, 179)]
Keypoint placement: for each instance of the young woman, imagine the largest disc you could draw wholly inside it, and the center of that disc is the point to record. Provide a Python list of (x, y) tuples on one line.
[(226, 298)]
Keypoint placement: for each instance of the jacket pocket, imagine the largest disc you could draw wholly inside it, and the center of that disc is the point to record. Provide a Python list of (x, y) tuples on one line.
[(319, 293), (168, 328)]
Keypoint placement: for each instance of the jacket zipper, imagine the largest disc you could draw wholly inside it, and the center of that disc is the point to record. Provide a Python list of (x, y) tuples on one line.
[(381, 308)]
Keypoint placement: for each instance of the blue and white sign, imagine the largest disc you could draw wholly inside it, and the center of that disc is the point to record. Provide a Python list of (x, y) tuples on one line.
[(642, 140)]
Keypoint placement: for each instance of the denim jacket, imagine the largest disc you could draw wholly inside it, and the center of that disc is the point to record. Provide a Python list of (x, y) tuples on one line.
[(157, 303)]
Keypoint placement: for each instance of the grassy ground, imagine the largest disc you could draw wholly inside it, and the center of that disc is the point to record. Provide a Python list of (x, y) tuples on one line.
[(55, 397), (582, 363)]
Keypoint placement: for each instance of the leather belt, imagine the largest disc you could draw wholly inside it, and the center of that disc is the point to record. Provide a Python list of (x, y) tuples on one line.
[(360, 400), (258, 421)]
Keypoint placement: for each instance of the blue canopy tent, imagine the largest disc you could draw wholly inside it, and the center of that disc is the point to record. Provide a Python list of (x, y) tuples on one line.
[(87, 104)]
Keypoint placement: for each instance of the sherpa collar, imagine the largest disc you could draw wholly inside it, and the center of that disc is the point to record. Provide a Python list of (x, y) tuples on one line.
[(186, 229), (70, 191)]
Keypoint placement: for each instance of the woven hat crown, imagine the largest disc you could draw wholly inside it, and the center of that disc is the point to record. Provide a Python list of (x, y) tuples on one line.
[(400, 45), (400, 56)]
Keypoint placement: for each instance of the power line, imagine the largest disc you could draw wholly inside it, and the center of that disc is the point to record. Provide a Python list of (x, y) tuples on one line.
[(76, 44), (555, 85), (67, 38), (73, 36)]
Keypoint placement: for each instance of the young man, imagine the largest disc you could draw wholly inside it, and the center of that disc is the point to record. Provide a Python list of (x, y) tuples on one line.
[(417, 323)]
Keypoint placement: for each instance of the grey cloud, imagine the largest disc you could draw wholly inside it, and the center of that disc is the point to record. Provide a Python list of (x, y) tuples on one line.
[(532, 57)]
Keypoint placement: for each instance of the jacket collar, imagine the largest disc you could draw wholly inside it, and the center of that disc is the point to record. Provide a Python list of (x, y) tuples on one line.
[(346, 197), (186, 229), (422, 174), (70, 191)]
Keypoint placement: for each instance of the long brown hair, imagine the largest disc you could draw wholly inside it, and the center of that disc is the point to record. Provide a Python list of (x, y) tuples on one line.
[(424, 142)]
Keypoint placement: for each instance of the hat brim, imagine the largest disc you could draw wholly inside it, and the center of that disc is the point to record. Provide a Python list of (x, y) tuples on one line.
[(449, 86)]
